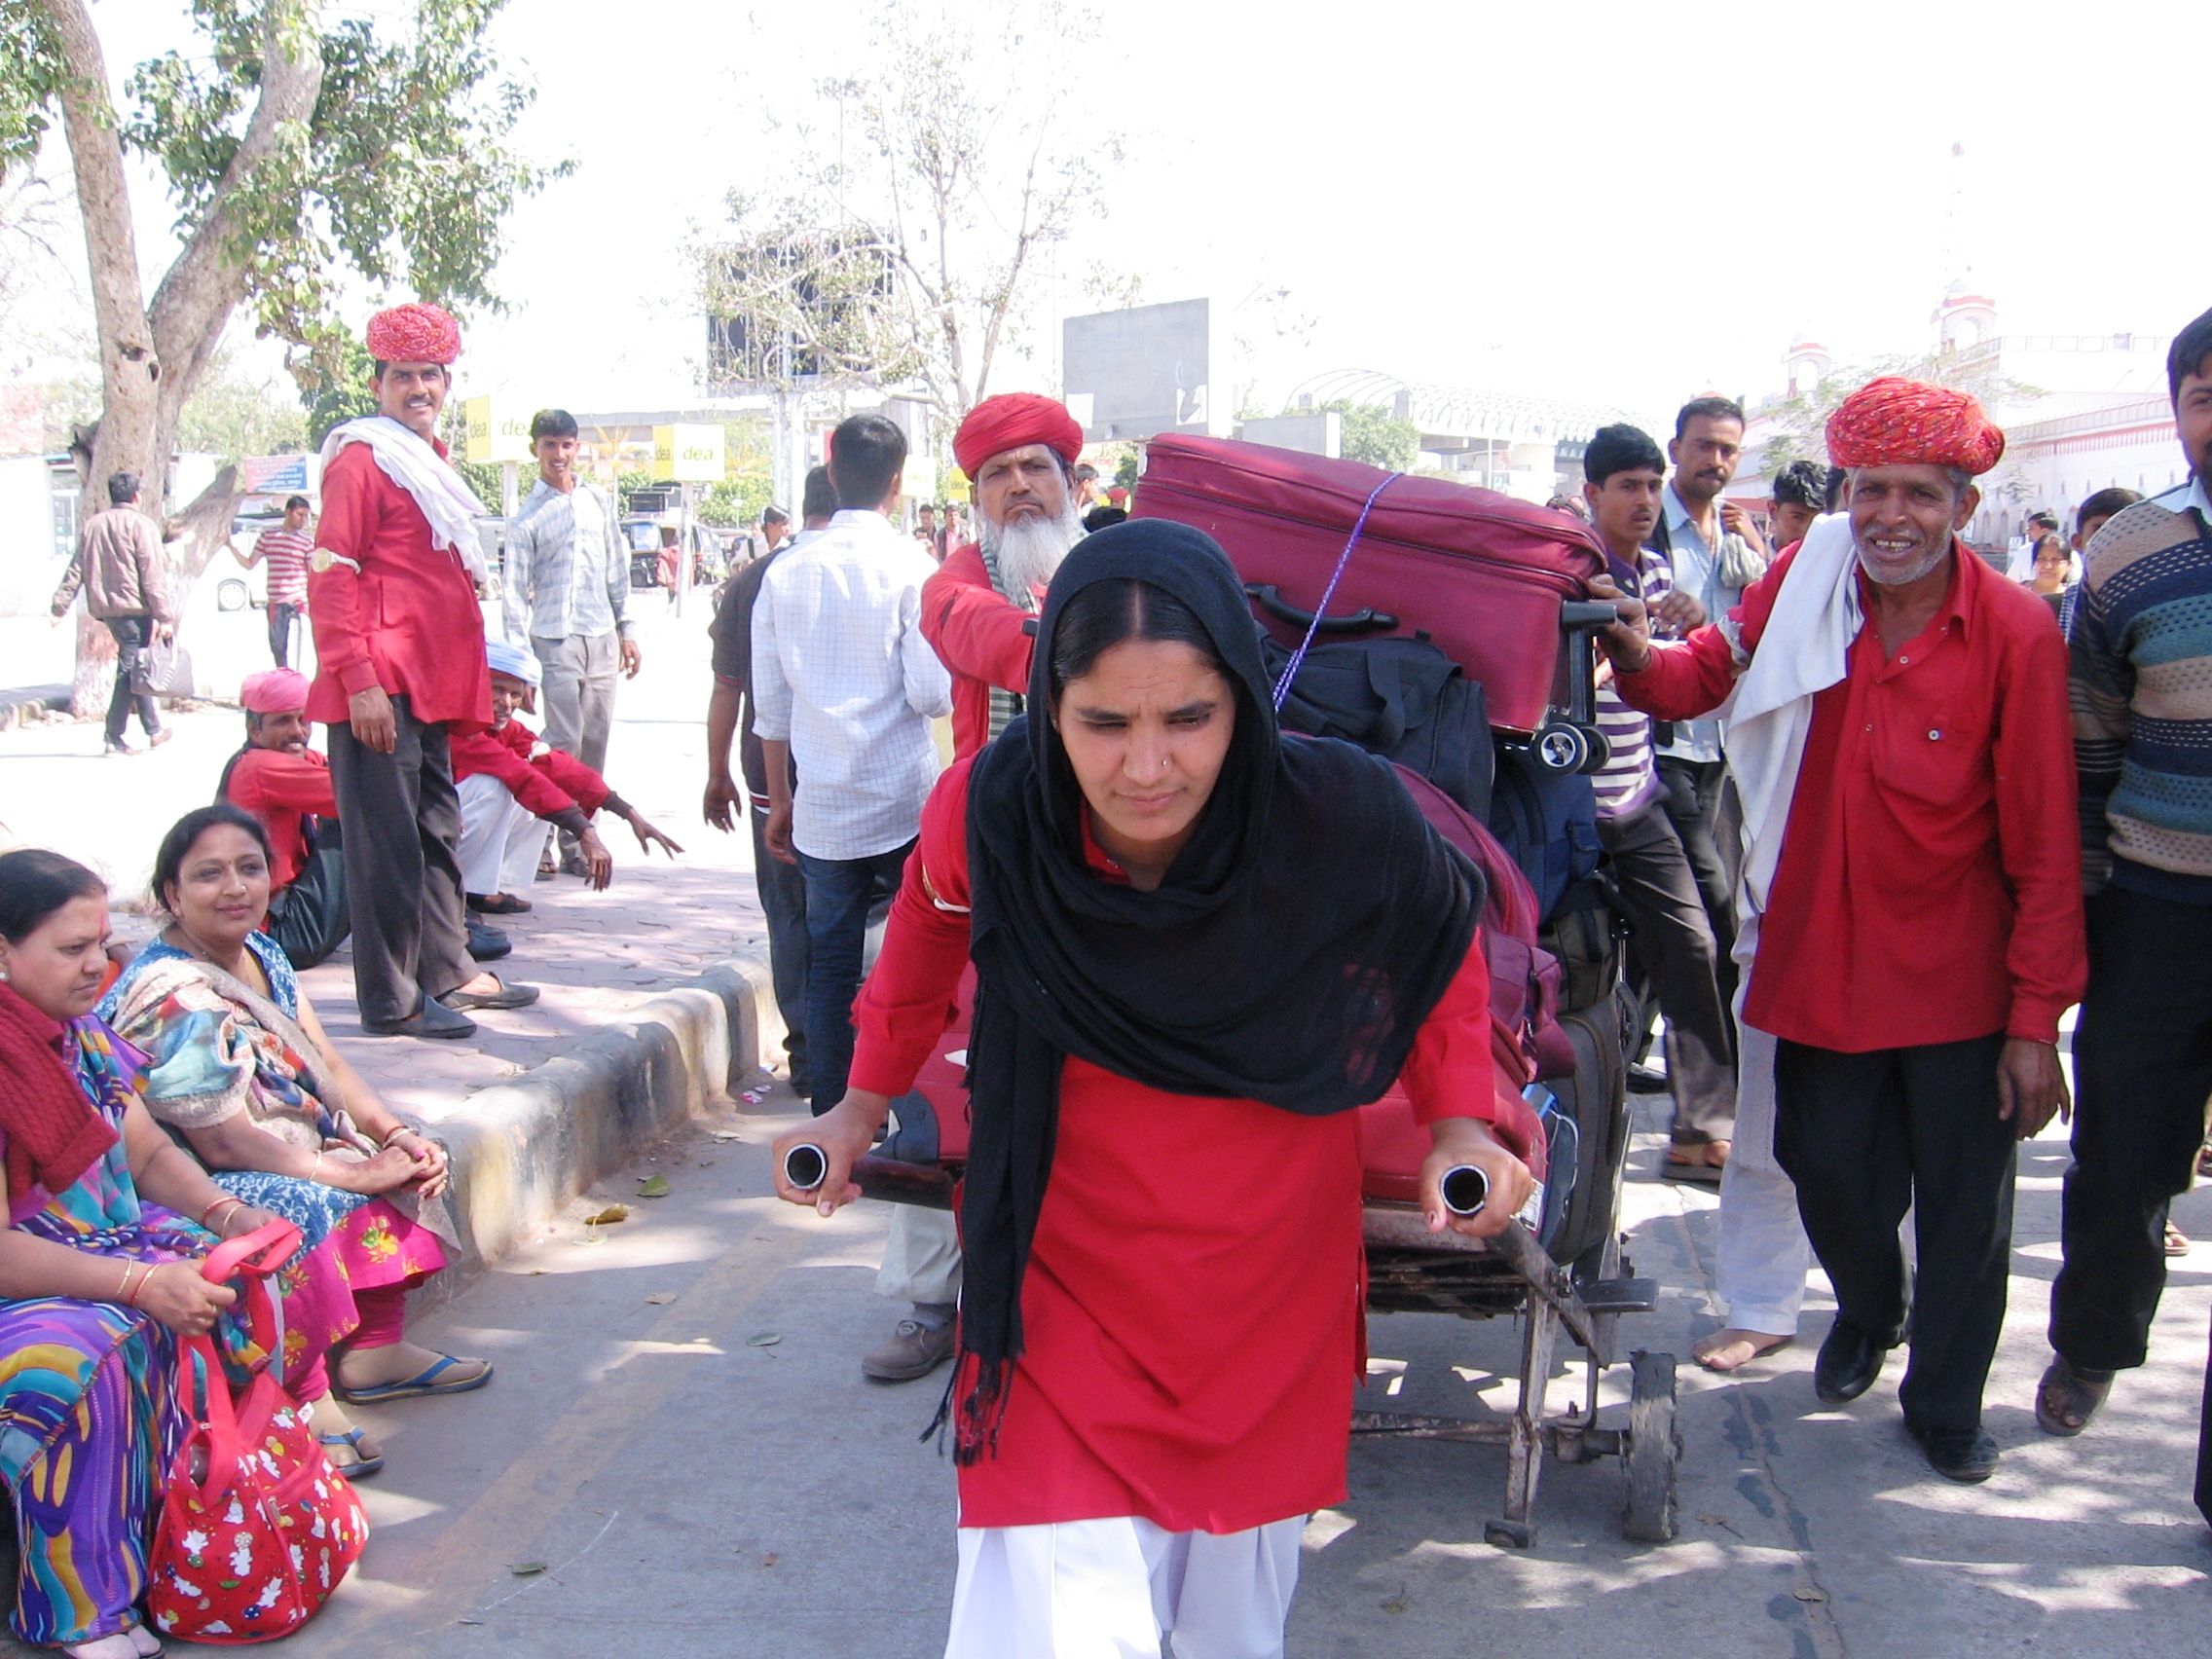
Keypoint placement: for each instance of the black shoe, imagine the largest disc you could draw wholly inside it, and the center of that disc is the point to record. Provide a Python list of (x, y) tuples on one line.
[(1849, 1360), (506, 996), (1642, 1079), (431, 1018), (487, 943), (1967, 1456)]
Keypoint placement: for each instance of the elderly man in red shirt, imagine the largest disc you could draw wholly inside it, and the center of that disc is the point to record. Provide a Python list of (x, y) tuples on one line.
[(399, 642), (1911, 896), (1019, 450)]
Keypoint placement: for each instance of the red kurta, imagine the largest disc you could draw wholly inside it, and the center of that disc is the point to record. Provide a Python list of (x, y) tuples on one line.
[(980, 638), (1930, 884), (547, 784), (1191, 1310), (277, 787), (409, 621)]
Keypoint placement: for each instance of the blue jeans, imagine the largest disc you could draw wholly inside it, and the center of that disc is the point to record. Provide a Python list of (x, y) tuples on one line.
[(839, 895), (783, 902)]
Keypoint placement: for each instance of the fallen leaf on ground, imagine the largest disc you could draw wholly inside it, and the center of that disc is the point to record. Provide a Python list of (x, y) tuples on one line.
[(524, 1568), (1806, 1593), (768, 1560), (1396, 1604), (727, 1135), (609, 1216), (762, 1339), (1707, 1518), (661, 1298), (652, 1185)]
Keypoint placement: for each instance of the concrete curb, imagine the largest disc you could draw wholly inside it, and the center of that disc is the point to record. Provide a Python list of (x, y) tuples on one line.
[(522, 1150)]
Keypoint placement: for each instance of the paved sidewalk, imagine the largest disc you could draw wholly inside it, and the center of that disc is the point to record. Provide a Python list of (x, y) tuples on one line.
[(595, 955)]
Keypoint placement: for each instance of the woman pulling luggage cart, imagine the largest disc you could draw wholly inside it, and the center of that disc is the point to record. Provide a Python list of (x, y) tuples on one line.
[(1186, 987)]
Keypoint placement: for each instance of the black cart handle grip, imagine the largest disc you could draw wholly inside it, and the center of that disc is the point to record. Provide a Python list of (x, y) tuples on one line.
[(1583, 615), (1272, 601)]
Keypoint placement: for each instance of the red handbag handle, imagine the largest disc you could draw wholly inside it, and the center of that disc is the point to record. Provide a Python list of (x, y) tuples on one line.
[(218, 1418), (258, 1253)]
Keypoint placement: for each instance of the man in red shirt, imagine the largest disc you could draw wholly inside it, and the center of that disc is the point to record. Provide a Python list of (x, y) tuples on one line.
[(399, 644), (512, 786), (1911, 902), (1019, 450)]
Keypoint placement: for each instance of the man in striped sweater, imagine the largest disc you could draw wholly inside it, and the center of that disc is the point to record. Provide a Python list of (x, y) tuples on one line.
[(287, 548), (1671, 939), (2142, 704)]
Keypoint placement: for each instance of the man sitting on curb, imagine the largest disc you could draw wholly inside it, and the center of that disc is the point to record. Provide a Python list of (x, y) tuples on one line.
[(508, 780), (286, 783)]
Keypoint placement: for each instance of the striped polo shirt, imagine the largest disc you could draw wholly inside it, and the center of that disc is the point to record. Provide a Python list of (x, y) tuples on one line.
[(1628, 781), (286, 553)]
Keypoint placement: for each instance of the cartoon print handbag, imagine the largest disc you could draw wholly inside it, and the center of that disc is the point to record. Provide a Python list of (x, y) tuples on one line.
[(250, 1549)]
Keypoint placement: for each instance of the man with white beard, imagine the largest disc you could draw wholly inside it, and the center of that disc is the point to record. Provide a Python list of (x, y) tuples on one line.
[(1019, 452)]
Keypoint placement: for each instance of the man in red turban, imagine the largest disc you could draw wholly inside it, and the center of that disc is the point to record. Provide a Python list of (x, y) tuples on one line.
[(400, 648), (1020, 451), (1898, 729)]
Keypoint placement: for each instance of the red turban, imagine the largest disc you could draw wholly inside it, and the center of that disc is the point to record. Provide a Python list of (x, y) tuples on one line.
[(1012, 420), (1894, 422), (414, 334), (276, 691)]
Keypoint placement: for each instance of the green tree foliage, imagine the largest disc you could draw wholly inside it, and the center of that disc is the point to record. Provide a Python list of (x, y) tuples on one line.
[(341, 393), (1797, 427), (233, 415), (1372, 435)]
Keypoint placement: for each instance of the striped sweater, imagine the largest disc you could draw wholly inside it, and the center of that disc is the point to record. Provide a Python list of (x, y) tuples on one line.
[(2141, 700)]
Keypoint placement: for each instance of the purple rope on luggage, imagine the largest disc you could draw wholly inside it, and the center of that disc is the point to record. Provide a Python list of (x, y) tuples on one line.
[(1297, 657)]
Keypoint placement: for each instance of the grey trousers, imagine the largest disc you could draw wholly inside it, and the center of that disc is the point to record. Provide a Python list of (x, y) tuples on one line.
[(577, 698), (401, 820)]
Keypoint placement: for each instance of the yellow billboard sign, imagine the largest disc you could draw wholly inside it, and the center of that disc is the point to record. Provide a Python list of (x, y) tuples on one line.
[(689, 455), (498, 429)]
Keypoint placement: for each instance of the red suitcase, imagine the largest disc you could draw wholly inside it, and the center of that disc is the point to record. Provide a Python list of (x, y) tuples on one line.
[(1481, 573)]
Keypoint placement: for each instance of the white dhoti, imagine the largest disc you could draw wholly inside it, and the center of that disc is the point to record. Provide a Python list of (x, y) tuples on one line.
[(501, 838), (1112, 1589), (1764, 1256)]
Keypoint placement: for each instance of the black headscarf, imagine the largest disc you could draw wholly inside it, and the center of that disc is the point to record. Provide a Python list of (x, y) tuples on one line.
[(1290, 954)]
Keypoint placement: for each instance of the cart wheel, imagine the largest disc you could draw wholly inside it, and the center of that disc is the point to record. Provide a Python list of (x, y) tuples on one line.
[(1600, 751), (1653, 1449), (1562, 747), (1508, 1534)]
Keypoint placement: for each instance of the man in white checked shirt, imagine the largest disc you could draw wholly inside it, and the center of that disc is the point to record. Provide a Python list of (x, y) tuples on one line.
[(844, 684)]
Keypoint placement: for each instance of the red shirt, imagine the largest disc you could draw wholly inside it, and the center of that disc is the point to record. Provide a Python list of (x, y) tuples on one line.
[(548, 783), (1929, 883), (279, 789), (979, 634), (409, 621), (1191, 1310)]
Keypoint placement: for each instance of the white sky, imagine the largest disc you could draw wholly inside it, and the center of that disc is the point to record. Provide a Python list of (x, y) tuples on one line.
[(1625, 203)]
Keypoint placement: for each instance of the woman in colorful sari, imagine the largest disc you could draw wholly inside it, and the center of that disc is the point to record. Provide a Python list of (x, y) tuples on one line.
[(98, 1271), (242, 1072)]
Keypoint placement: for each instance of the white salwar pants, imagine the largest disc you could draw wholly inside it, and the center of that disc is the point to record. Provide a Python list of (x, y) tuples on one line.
[(1112, 1589), (501, 838), (1759, 1271)]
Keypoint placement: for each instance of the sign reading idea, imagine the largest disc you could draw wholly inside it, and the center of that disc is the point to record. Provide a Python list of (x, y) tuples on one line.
[(688, 454), (498, 429)]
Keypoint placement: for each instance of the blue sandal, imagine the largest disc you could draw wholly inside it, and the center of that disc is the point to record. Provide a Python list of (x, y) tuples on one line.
[(364, 1464), (425, 1381)]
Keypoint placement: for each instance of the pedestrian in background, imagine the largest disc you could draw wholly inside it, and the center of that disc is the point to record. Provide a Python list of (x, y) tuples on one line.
[(730, 710), (285, 548), (566, 593), (2142, 682), (1911, 940), (1803, 490), (119, 563), (399, 652), (1671, 938)]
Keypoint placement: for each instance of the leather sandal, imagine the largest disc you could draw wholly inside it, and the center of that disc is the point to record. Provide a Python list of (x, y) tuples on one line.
[(2069, 1396)]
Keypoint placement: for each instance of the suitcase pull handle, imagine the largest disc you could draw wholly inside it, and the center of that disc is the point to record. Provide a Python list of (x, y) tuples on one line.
[(1272, 601)]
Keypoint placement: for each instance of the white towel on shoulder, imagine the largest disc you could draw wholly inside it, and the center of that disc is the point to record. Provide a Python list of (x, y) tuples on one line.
[(409, 462)]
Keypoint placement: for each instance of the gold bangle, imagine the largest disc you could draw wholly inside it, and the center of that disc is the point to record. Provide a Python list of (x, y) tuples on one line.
[(314, 1169), (122, 1290)]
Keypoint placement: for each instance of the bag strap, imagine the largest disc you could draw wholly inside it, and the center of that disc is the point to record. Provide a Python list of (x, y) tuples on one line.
[(208, 1406), (254, 1257), (1322, 609)]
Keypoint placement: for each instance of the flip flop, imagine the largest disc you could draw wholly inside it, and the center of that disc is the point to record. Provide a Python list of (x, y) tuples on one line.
[(423, 1381), (2068, 1390), (363, 1466)]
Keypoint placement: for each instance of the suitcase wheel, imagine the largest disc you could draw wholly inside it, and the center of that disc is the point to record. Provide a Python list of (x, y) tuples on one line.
[(1560, 746)]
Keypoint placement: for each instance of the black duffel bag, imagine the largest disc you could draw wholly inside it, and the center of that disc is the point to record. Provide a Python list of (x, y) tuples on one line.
[(1402, 699)]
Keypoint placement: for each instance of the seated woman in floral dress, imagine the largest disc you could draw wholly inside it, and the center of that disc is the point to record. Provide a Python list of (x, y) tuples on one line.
[(99, 1273), (243, 1071)]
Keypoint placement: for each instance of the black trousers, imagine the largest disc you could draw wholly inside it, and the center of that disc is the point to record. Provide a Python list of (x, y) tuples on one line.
[(1671, 942), (2143, 1064), (1866, 1137), (401, 820), (1694, 794), (132, 635)]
